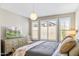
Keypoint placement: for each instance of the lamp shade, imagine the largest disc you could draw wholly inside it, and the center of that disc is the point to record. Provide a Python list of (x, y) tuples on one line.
[(33, 16), (71, 32)]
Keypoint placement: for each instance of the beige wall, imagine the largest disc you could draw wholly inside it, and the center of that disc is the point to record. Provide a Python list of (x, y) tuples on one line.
[(9, 19)]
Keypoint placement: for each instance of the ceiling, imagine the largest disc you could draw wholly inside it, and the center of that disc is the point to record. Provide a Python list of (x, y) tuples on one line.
[(42, 9)]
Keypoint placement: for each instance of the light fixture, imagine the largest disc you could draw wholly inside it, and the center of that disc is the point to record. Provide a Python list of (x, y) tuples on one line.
[(33, 16)]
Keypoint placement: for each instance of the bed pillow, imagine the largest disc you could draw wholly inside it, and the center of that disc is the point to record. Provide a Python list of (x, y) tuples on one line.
[(67, 39), (66, 47), (75, 51), (67, 44), (57, 52)]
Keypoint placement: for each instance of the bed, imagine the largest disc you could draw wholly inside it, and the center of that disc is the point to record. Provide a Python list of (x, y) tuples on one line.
[(43, 49), (39, 48)]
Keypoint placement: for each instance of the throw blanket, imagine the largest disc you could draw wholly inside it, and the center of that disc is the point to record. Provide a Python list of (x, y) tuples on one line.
[(22, 50)]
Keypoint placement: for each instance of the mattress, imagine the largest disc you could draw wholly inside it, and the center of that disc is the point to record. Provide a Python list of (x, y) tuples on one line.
[(44, 49)]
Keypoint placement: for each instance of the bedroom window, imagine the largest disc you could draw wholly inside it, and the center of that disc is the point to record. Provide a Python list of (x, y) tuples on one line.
[(64, 25), (43, 30), (52, 28), (35, 30), (48, 29)]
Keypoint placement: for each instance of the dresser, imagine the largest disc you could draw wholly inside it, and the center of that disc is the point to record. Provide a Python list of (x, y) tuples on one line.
[(9, 44)]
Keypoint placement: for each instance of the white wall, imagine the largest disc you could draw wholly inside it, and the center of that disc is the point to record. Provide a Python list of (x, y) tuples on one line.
[(77, 18), (9, 19), (77, 22)]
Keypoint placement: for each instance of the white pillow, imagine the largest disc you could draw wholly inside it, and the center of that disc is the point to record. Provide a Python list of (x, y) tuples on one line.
[(57, 51)]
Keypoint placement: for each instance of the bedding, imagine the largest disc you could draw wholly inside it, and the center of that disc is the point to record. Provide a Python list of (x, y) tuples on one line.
[(22, 50), (43, 49), (39, 48)]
